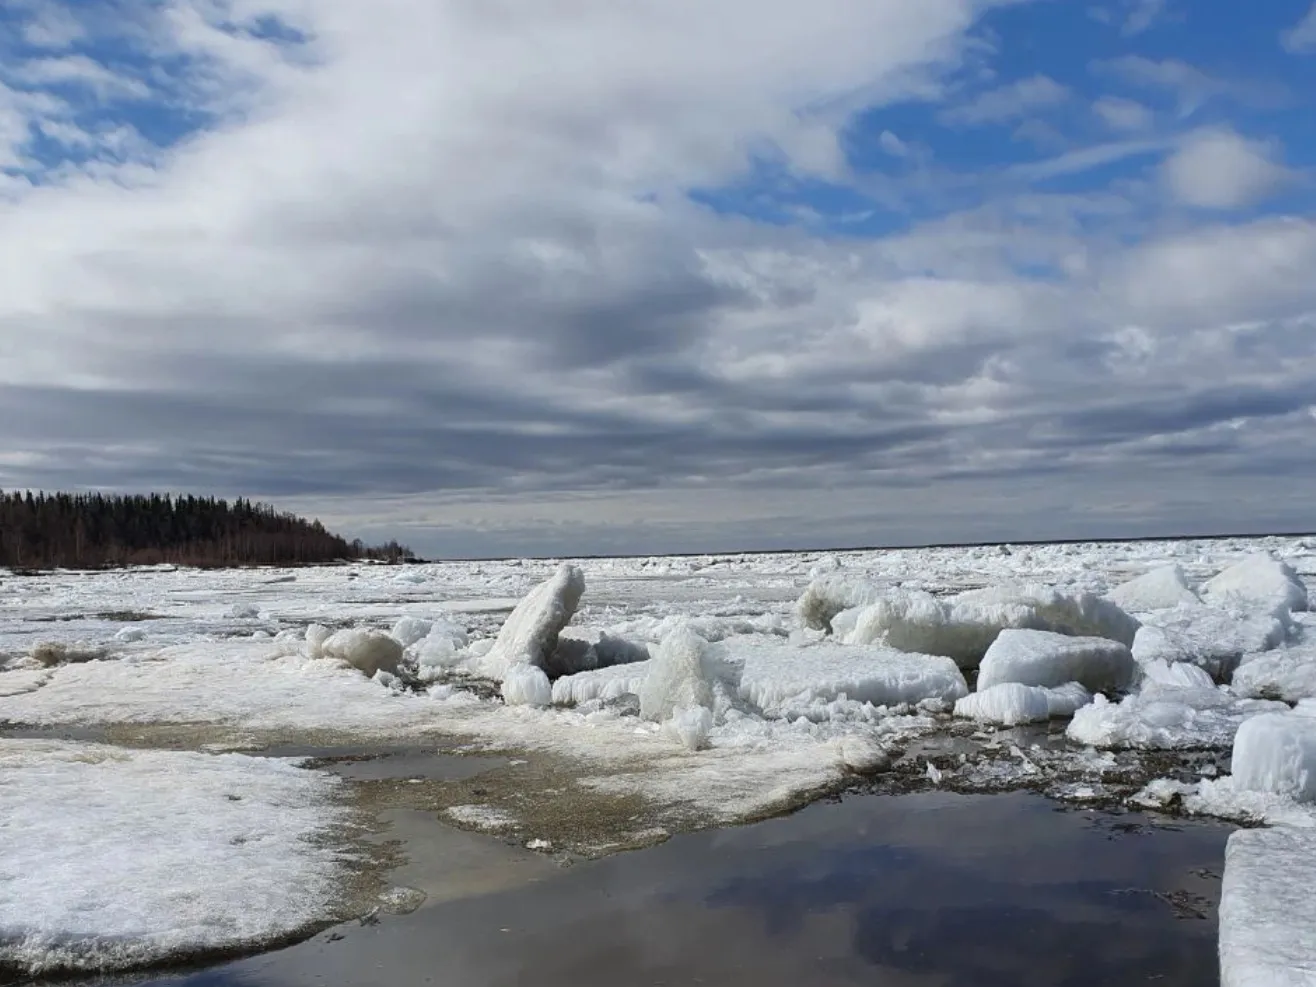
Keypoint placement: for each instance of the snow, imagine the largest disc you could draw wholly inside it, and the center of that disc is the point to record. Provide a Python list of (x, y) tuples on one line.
[(1213, 638), (1048, 659), (782, 679), (531, 631), (1267, 909), (1012, 703), (1260, 580), (1160, 589), (114, 858), (1276, 752), (1287, 673), (1165, 717), (526, 685), (367, 650)]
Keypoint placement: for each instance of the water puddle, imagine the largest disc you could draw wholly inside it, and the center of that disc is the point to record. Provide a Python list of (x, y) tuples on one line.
[(929, 889)]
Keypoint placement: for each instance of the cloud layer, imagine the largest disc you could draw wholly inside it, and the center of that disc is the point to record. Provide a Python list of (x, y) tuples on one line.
[(576, 276)]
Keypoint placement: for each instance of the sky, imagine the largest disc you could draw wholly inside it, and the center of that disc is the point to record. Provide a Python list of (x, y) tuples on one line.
[(538, 277)]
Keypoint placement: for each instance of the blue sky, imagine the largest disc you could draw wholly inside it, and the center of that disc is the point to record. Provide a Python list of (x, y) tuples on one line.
[(566, 276)]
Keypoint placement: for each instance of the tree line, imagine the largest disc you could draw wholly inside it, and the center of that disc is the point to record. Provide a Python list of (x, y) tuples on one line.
[(85, 531)]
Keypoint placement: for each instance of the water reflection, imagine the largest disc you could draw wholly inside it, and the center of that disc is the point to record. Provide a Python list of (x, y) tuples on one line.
[(918, 890)]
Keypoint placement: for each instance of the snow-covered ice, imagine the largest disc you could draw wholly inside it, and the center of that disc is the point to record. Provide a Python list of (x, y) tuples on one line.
[(1047, 659), (531, 631), (752, 703), (1162, 588), (1013, 703), (1258, 581), (1276, 752), (114, 858), (783, 679), (1166, 717), (1213, 638), (1287, 673), (1268, 910)]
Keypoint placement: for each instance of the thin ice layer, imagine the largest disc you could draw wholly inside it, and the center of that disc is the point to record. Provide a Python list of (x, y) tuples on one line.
[(1267, 909), (1047, 659), (778, 677), (1011, 704), (1160, 589), (1166, 718), (115, 858)]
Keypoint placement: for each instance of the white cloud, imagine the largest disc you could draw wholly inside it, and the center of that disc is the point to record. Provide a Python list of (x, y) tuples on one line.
[(1190, 86), (1124, 114), (1219, 169), (1301, 37), (1010, 102), (1142, 15), (446, 251)]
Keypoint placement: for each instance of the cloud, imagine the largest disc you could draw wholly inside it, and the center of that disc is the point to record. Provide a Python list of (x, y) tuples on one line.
[(1010, 102), (440, 271), (1301, 37), (1124, 114), (1190, 86), (1219, 169), (1142, 15)]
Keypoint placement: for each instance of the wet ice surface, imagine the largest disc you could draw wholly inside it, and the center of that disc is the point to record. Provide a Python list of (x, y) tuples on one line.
[(734, 704), (936, 889)]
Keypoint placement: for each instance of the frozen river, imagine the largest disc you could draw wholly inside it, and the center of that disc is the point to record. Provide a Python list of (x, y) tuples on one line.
[(201, 763)]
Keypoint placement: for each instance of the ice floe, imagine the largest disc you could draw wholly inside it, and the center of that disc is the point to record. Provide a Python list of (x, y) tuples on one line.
[(1160, 589), (118, 858), (1049, 660), (530, 633), (1166, 717), (1213, 638), (1268, 910), (1276, 752), (1258, 581), (1013, 703)]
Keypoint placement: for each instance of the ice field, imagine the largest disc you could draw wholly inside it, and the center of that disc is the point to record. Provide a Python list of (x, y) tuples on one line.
[(145, 819)]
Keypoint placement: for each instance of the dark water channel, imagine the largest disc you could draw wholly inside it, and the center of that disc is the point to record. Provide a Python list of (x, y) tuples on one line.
[(934, 889)]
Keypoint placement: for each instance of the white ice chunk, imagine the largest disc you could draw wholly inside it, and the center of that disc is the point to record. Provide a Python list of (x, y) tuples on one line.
[(779, 677), (1159, 589), (1258, 581), (531, 631), (607, 683), (690, 726), (1047, 659), (1288, 674), (316, 635), (829, 594), (115, 858), (1011, 703), (1212, 638), (368, 650), (1276, 752), (1166, 718), (921, 624), (1072, 612), (1268, 910), (526, 685), (408, 630), (1179, 674), (684, 672)]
